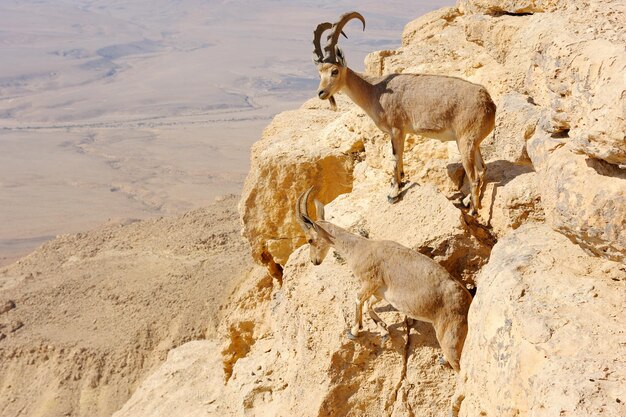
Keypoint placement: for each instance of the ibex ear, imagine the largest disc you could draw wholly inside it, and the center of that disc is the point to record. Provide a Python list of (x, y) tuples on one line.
[(341, 59), (319, 209)]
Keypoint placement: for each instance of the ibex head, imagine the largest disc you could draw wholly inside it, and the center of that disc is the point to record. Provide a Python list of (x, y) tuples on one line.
[(331, 63), (319, 239)]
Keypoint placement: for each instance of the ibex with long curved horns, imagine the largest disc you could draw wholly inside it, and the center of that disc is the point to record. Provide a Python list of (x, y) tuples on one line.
[(411, 282), (435, 106)]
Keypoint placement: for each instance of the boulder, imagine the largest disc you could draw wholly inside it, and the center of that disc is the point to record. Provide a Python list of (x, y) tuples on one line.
[(511, 201), (516, 7), (546, 332), (186, 384), (583, 198), (424, 220), (312, 146), (516, 120)]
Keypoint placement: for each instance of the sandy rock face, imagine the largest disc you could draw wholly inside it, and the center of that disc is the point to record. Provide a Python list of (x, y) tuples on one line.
[(301, 148), (424, 220), (584, 198), (303, 363), (546, 335), (546, 332), (514, 201), (187, 384), (495, 7), (86, 317), (516, 122), (555, 71), (568, 63)]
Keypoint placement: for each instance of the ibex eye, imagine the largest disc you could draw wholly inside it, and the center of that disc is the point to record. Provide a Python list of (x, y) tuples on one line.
[(310, 241), (335, 72)]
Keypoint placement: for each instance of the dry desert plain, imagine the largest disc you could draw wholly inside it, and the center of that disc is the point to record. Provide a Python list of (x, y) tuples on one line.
[(119, 110)]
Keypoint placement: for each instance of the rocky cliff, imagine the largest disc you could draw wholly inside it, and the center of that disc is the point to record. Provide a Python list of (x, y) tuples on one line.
[(545, 254), (87, 317)]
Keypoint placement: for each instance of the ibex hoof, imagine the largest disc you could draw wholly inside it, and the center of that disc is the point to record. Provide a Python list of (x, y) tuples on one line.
[(350, 336), (442, 361), (393, 199)]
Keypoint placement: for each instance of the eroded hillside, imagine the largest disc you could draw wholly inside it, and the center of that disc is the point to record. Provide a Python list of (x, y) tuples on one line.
[(89, 315)]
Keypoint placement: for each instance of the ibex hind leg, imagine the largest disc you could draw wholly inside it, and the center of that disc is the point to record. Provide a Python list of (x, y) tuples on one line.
[(468, 165), (397, 147), (479, 172), (380, 324), (451, 337)]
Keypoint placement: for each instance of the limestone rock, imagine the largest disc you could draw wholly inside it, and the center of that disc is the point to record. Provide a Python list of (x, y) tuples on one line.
[(299, 149), (301, 355), (516, 121), (423, 220), (96, 312), (569, 63), (582, 100), (583, 198), (512, 201), (546, 332), (495, 7), (187, 384), (546, 325), (318, 147)]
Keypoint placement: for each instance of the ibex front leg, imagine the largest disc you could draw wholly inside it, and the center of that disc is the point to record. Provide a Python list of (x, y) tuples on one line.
[(382, 326), (397, 147), (364, 293)]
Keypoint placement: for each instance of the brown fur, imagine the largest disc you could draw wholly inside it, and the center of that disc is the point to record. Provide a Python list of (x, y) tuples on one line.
[(411, 282), (440, 107)]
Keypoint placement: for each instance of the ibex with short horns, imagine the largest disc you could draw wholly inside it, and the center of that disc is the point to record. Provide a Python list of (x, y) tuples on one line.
[(411, 282), (435, 106)]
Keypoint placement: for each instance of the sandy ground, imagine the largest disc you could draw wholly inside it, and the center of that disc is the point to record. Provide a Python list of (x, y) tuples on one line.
[(113, 110), (94, 312)]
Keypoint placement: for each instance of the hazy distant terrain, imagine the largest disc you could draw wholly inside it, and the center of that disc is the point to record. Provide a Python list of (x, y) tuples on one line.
[(112, 110)]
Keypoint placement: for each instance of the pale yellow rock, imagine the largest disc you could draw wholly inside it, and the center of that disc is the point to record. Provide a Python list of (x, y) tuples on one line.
[(512, 202), (546, 332), (100, 310), (516, 122), (314, 146), (546, 323), (498, 7), (424, 220), (187, 384), (295, 352), (311, 146), (546, 327), (585, 199), (570, 63)]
